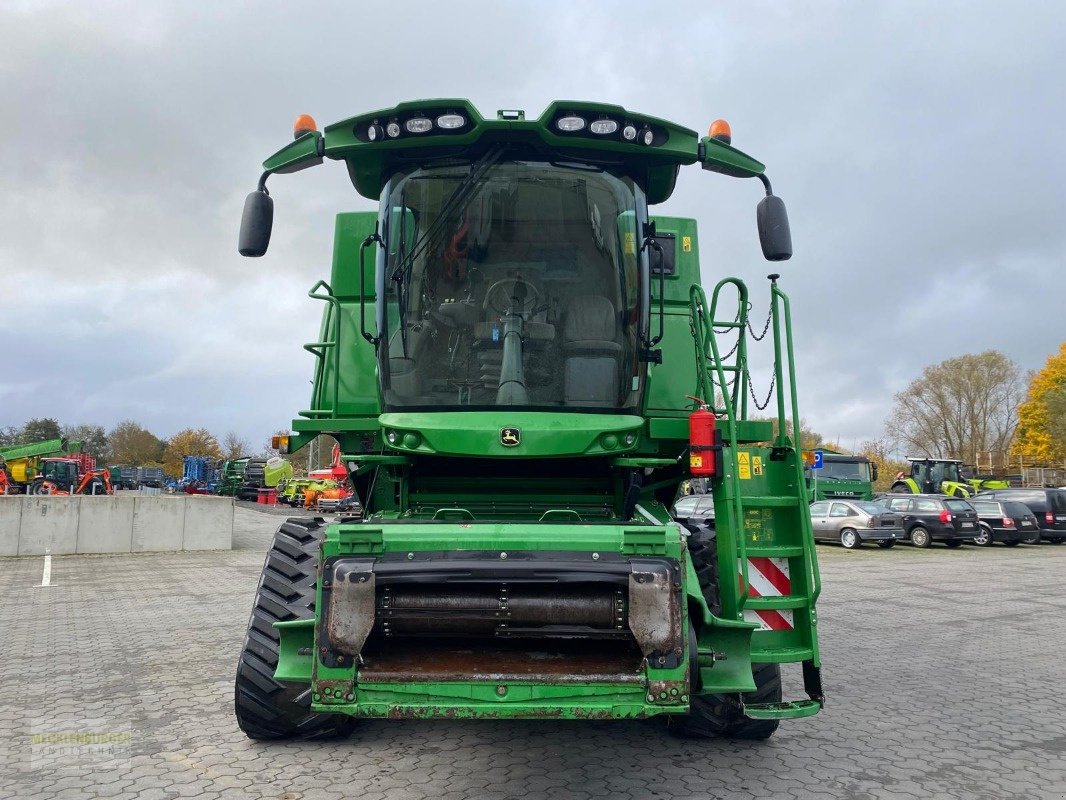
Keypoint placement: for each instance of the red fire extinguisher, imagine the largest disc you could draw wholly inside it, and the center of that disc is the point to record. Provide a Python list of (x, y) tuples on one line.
[(703, 447)]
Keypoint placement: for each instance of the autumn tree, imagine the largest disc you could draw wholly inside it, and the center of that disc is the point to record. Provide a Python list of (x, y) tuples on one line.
[(133, 446), (234, 446), (189, 442), (809, 438), (879, 451), (1041, 421), (959, 408)]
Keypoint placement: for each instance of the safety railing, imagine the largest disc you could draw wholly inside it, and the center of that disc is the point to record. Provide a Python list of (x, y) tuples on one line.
[(703, 332), (330, 344)]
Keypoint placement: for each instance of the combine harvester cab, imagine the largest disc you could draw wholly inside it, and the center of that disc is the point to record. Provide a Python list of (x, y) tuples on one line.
[(510, 358)]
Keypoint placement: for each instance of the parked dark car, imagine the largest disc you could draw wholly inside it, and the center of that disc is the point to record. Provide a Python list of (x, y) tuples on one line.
[(852, 522), (1048, 505), (929, 518), (1006, 521), (697, 509)]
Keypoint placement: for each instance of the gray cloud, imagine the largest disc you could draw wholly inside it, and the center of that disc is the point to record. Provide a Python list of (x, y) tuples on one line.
[(916, 144)]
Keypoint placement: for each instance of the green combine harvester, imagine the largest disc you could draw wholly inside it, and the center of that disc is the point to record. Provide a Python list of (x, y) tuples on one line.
[(506, 358)]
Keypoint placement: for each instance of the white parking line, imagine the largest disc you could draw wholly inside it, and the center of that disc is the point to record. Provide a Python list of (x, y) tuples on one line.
[(46, 576)]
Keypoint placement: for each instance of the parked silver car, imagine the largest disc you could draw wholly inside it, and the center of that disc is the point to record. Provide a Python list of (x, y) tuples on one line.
[(852, 522)]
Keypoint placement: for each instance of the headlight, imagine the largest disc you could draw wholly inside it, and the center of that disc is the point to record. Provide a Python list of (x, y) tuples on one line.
[(629, 133), (393, 129), (570, 124), (375, 132), (450, 121), (418, 125), (603, 127), (647, 136)]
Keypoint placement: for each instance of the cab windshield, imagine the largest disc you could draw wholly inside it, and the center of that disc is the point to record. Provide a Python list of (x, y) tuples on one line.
[(514, 284), (844, 470)]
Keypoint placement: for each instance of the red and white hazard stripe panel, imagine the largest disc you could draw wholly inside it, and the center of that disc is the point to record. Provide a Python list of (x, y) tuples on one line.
[(768, 577)]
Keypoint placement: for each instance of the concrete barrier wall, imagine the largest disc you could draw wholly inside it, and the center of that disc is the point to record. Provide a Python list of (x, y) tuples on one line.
[(115, 524)]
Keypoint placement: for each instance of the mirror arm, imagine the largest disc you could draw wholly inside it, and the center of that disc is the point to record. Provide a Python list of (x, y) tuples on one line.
[(262, 187), (766, 182)]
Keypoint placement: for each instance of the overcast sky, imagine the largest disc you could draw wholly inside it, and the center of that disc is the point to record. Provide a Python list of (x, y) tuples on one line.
[(919, 147)]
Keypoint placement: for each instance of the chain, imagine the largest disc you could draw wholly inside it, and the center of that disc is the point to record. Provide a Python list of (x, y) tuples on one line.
[(761, 406), (735, 346), (735, 319), (765, 328)]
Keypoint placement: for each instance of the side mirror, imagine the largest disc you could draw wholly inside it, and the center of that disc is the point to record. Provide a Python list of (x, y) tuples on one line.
[(774, 234), (256, 223), (873, 468)]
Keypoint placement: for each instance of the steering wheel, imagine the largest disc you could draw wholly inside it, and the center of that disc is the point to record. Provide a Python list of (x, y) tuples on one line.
[(512, 294)]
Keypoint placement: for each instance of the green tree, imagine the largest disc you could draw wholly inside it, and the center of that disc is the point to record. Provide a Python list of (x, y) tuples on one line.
[(189, 442), (93, 440), (959, 408), (133, 446), (1056, 421), (39, 430), (1040, 417), (10, 436)]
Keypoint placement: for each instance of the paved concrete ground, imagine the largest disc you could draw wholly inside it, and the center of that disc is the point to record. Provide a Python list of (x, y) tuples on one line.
[(945, 672)]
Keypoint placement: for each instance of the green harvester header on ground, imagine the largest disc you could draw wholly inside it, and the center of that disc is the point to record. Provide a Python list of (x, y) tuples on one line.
[(510, 352)]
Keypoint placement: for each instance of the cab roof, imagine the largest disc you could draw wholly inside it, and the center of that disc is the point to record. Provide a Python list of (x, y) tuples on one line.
[(652, 157)]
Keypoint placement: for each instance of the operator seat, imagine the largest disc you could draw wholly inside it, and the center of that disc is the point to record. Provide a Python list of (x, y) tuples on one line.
[(592, 351), (408, 374)]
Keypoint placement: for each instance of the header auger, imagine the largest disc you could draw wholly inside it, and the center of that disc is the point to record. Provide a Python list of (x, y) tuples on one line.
[(505, 358)]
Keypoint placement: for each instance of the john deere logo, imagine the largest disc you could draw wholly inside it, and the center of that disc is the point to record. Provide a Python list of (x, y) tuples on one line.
[(510, 437)]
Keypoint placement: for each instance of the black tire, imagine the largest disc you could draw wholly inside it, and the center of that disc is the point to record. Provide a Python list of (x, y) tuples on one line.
[(900, 488), (985, 538), (953, 543), (885, 544), (703, 550), (849, 539), (267, 709), (722, 714), (920, 537)]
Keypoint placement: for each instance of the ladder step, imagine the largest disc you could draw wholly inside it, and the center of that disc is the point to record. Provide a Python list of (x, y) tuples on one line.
[(780, 501), (789, 551), (730, 324), (788, 601), (787, 710)]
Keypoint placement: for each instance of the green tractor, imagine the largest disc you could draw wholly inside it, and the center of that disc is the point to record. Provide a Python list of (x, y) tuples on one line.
[(507, 350), (942, 476)]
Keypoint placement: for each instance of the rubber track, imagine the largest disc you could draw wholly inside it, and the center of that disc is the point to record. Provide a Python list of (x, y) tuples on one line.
[(267, 709)]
